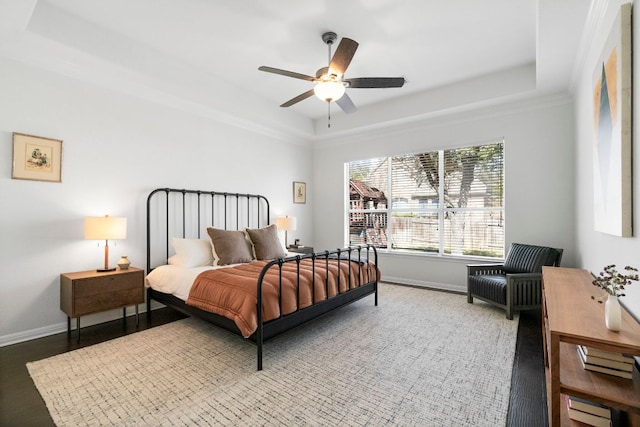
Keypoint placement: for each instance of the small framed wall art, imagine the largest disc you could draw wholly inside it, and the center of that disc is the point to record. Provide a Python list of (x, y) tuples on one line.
[(36, 158), (299, 192)]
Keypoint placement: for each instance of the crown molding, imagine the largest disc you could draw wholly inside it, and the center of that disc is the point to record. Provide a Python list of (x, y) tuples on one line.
[(595, 18), (501, 107)]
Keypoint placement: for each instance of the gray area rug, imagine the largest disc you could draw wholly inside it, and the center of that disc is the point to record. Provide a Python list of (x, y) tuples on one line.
[(421, 358)]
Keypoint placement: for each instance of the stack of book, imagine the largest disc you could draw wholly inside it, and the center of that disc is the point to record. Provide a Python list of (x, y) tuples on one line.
[(587, 412), (607, 362)]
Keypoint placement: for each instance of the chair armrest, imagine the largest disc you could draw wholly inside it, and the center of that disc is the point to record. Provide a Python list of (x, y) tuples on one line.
[(521, 277), (479, 269), (524, 289)]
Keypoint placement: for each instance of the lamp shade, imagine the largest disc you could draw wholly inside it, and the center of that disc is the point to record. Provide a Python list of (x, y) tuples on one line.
[(286, 223), (105, 228)]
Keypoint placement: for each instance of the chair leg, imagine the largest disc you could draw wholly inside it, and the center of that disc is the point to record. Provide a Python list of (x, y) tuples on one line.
[(509, 306)]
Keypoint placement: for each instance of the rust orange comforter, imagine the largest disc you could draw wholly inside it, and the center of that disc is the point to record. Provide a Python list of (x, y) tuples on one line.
[(232, 292)]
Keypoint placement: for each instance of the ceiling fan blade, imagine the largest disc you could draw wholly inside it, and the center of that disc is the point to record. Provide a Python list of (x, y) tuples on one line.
[(375, 82), (346, 104), (298, 98), (343, 55), (286, 73)]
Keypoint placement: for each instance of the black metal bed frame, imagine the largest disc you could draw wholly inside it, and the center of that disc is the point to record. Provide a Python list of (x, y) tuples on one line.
[(188, 212)]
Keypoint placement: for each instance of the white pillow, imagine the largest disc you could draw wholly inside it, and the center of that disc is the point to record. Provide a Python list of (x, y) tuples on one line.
[(191, 252)]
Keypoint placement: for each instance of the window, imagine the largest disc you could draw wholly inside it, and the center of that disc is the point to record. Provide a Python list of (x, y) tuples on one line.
[(447, 202)]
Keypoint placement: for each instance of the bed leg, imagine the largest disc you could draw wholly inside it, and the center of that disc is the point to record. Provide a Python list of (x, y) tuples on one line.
[(376, 294), (148, 304), (259, 338)]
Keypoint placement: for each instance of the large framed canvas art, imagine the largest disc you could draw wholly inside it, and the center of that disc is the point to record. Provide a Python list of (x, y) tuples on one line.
[(612, 130)]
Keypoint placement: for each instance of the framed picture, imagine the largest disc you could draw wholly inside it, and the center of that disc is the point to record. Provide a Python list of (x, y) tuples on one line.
[(299, 192), (36, 158), (612, 192)]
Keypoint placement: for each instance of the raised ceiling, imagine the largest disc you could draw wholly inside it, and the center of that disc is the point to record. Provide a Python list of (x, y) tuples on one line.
[(198, 50)]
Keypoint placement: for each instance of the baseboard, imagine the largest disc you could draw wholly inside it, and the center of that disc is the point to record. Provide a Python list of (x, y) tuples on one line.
[(45, 331), (32, 334), (426, 284)]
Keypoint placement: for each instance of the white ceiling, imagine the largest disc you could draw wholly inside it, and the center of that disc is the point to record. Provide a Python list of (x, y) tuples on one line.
[(196, 50)]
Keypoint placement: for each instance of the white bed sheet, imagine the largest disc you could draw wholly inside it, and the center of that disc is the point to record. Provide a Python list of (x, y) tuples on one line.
[(174, 279)]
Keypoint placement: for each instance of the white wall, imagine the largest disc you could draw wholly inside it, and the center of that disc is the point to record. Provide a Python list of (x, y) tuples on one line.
[(539, 205), (116, 149), (595, 249)]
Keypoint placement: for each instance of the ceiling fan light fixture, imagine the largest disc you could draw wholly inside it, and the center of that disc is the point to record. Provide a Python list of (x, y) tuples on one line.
[(329, 81), (330, 90)]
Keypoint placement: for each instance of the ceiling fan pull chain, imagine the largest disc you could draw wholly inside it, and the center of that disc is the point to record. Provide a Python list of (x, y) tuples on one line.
[(329, 114)]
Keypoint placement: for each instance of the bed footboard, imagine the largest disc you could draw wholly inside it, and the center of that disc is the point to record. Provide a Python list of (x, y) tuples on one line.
[(360, 257)]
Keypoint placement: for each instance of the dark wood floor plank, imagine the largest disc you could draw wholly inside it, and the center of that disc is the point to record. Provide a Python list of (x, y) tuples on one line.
[(527, 404)]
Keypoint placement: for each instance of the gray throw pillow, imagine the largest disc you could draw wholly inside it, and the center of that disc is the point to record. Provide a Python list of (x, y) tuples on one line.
[(266, 244), (229, 246)]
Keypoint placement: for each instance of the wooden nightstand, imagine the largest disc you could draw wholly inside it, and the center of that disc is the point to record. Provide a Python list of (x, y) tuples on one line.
[(301, 249), (88, 292)]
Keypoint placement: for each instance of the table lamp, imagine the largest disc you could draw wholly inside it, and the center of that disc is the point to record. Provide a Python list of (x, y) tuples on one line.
[(105, 228), (286, 223)]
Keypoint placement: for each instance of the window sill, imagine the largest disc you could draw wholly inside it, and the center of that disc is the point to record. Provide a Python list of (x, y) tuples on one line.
[(437, 257)]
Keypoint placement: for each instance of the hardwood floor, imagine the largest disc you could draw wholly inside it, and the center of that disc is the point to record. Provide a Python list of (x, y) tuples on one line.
[(21, 404), (528, 401)]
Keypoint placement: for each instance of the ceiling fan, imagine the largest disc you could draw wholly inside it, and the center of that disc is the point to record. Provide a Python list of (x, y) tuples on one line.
[(330, 84)]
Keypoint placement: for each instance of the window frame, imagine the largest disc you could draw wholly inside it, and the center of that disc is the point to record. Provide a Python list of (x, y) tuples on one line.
[(444, 248)]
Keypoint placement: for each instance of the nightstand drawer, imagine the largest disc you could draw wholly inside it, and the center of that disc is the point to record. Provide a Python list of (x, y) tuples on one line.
[(98, 285), (301, 249), (107, 300)]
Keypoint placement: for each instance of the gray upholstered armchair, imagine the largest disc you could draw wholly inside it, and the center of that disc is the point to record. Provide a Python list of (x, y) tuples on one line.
[(516, 284)]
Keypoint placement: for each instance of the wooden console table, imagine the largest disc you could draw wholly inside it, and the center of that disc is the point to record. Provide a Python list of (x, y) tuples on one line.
[(571, 317)]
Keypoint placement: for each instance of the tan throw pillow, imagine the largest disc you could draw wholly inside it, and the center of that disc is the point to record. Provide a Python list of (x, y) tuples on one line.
[(229, 246), (266, 244)]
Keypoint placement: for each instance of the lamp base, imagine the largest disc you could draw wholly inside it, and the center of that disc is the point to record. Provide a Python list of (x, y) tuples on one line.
[(104, 270)]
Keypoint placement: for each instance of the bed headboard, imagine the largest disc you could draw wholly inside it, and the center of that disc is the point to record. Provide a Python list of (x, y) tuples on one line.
[(187, 213)]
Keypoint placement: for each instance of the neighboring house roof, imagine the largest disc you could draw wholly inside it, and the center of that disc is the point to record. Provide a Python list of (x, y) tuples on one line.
[(359, 188)]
